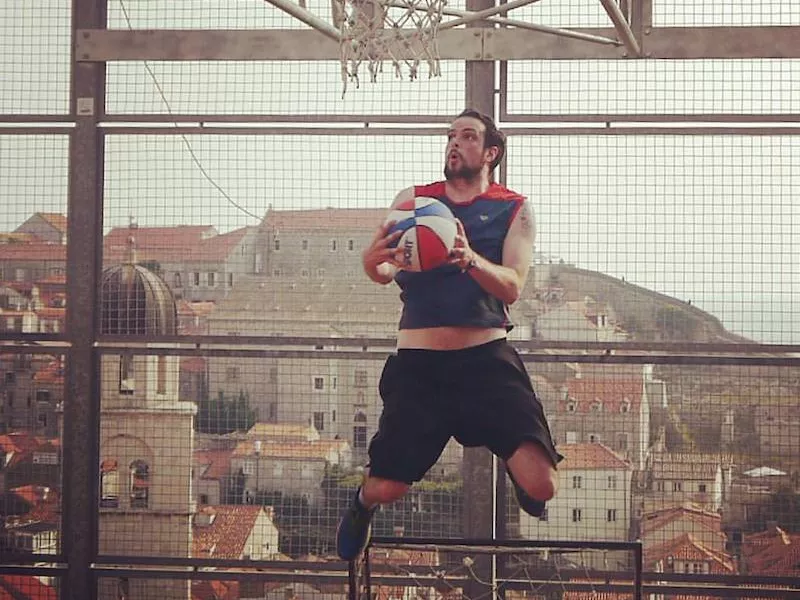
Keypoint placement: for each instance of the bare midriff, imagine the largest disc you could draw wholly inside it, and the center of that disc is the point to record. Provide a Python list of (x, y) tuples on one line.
[(447, 338)]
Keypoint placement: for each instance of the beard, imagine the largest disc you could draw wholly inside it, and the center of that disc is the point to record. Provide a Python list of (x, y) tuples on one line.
[(464, 173)]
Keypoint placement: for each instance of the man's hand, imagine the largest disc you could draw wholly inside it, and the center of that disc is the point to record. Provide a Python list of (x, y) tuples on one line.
[(462, 255), (381, 262)]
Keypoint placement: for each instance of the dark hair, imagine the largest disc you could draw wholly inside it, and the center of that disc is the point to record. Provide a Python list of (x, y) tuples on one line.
[(492, 137)]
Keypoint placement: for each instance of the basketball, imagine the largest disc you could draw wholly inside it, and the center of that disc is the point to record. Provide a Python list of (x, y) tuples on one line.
[(429, 232)]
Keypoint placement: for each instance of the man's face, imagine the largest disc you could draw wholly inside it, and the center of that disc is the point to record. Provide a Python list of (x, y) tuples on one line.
[(465, 155)]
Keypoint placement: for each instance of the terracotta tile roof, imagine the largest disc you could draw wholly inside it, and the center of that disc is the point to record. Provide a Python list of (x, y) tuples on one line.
[(590, 456), (173, 244), (17, 238), (25, 587), (318, 449), (772, 552), (659, 519), (339, 219), (215, 590), (284, 431), (35, 494), (21, 445), (57, 220), (52, 374), (217, 463), (33, 251), (686, 466), (219, 248), (611, 394), (156, 243), (58, 281), (686, 547), (194, 309), (228, 532)]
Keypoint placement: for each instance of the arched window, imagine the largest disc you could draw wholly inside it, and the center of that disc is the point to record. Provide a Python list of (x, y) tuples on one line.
[(127, 384), (139, 484), (360, 430), (109, 484)]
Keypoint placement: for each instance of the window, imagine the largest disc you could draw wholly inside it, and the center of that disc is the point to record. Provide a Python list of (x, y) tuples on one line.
[(677, 486), (572, 437), (277, 272), (196, 279), (351, 245), (109, 484), (176, 280), (577, 482), (230, 279), (303, 272), (659, 486), (140, 484), (702, 488), (126, 376), (203, 498), (594, 438), (212, 279), (622, 441), (612, 482), (319, 383), (544, 516), (304, 244), (320, 273), (334, 246), (319, 421), (276, 244), (11, 377), (596, 406), (272, 412), (360, 431), (360, 378), (625, 407), (577, 515), (611, 515), (161, 378), (571, 407), (273, 374), (232, 374)]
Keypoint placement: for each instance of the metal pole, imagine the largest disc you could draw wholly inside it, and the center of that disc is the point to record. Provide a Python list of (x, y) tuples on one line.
[(473, 16), (307, 17), (81, 425), (478, 463), (622, 26)]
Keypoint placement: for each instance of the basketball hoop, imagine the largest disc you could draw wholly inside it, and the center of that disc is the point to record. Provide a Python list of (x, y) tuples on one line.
[(400, 31)]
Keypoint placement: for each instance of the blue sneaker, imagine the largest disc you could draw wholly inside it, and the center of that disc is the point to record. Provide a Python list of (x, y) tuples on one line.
[(530, 505), (354, 529)]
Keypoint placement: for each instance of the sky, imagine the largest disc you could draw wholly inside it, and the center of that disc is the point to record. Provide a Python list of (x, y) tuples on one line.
[(711, 219)]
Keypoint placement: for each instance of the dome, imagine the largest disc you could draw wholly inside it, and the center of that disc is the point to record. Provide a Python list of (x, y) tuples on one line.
[(136, 301)]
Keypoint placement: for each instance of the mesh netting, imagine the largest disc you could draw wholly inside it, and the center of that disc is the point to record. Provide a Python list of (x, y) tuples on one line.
[(401, 31)]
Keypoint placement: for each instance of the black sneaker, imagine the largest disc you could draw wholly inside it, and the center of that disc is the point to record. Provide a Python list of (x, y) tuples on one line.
[(530, 505), (353, 532)]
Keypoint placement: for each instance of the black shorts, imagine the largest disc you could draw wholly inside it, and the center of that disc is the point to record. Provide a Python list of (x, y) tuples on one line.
[(482, 396)]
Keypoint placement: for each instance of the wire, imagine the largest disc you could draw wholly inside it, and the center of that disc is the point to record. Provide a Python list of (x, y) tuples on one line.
[(183, 136)]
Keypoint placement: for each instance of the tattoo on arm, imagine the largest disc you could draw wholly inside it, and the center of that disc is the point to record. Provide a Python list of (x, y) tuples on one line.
[(526, 217)]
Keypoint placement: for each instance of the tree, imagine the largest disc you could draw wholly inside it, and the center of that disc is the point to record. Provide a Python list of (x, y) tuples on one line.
[(221, 415)]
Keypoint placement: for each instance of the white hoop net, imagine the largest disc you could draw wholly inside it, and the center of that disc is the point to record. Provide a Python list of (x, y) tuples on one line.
[(403, 32)]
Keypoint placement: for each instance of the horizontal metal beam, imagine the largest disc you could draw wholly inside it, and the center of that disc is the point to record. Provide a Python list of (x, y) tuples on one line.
[(100, 45)]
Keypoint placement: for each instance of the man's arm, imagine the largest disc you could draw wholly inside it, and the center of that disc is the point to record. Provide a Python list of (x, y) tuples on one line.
[(379, 261), (506, 281)]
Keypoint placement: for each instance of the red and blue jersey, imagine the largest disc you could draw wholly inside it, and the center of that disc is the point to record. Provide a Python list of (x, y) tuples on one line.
[(447, 297)]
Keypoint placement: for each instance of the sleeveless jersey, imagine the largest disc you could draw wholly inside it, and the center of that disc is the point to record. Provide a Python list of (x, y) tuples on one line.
[(447, 297)]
